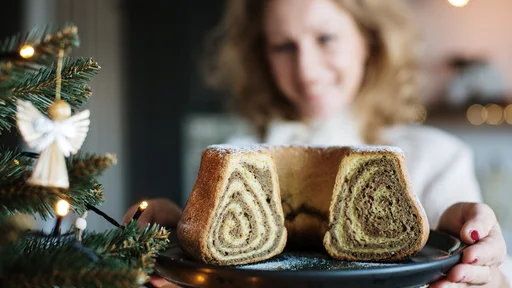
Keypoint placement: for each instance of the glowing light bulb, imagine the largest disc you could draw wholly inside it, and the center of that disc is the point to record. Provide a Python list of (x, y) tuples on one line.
[(27, 51), (62, 208), (459, 3), (143, 205)]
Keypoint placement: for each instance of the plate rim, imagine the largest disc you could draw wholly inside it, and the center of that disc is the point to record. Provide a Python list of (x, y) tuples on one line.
[(454, 256)]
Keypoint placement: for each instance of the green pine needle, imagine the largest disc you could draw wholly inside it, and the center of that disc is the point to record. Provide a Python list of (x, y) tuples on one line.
[(5, 122), (13, 166), (137, 247), (47, 262), (75, 74), (46, 40), (20, 197), (40, 88), (16, 196)]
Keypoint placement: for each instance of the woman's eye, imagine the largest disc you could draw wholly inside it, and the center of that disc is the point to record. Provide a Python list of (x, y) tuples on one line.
[(326, 38), (285, 47)]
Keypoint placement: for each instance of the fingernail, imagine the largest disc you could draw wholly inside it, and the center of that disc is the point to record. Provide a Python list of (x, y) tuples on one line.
[(474, 261), (461, 279), (474, 235)]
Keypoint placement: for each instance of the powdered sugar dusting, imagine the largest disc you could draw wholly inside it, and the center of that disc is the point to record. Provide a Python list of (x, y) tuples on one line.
[(376, 148), (311, 261), (231, 148)]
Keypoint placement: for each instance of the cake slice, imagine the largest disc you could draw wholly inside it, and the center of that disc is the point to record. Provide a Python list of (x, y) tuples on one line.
[(234, 214), (374, 215)]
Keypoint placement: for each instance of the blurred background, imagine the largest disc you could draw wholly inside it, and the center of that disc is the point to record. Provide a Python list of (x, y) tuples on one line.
[(151, 108)]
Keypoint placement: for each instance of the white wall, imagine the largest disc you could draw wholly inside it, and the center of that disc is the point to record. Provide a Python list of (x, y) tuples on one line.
[(483, 27)]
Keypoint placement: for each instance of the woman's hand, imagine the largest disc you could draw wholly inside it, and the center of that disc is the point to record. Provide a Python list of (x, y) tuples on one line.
[(476, 225), (161, 211)]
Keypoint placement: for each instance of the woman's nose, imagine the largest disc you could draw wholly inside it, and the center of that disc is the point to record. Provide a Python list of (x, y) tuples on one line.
[(309, 64)]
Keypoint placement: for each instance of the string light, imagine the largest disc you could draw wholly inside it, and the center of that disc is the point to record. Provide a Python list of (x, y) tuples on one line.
[(62, 210), (459, 3), (141, 209), (27, 51)]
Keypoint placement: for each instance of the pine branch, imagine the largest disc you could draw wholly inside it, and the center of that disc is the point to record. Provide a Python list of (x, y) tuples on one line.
[(49, 262), (75, 73), (13, 166), (90, 165), (139, 248), (46, 40), (16, 196), (39, 88), (5, 123), (66, 277), (20, 197)]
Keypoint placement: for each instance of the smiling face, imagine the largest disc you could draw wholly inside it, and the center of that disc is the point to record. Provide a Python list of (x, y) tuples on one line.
[(316, 53)]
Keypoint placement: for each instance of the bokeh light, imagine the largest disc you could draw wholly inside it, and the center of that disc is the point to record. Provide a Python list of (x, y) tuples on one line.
[(459, 3), (477, 114), (507, 113), (494, 114)]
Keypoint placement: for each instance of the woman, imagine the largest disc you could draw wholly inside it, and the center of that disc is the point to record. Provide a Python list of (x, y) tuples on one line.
[(343, 72)]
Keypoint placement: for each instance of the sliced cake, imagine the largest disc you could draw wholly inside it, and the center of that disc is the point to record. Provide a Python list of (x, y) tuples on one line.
[(234, 214), (374, 215)]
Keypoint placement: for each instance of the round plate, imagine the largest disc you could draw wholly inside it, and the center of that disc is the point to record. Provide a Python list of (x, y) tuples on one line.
[(315, 269)]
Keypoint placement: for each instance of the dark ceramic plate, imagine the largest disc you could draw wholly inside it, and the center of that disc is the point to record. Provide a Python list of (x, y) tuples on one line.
[(315, 269)]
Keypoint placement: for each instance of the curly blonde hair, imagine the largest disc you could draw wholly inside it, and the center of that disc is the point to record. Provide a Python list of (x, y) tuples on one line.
[(389, 91)]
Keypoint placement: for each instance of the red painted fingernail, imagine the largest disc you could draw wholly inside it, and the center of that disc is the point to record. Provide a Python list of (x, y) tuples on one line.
[(461, 279), (474, 235), (474, 261)]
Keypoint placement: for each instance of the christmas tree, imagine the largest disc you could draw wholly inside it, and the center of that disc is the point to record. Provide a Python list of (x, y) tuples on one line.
[(35, 75)]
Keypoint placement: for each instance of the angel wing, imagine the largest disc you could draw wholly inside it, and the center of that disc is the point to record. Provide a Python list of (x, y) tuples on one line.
[(72, 132), (36, 129)]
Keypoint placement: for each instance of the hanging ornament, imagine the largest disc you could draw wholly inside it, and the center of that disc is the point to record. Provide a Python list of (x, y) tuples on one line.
[(54, 138), (80, 225)]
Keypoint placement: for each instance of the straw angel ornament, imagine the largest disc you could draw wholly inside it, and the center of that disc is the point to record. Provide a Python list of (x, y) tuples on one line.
[(55, 138)]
